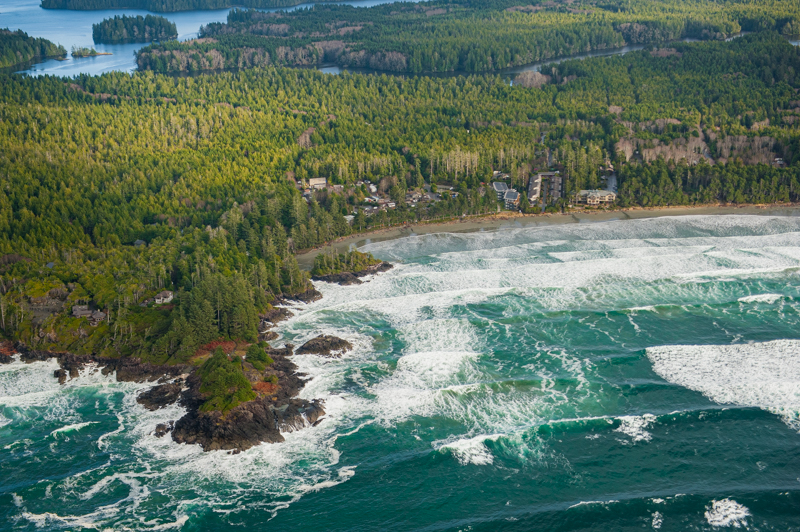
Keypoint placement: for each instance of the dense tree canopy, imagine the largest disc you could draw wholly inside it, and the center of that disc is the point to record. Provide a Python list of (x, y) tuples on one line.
[(134, 29), (16, 48), (463, 36), (130, 184)]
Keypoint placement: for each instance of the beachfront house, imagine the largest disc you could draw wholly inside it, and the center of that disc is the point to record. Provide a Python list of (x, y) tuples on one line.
[(500, 189), (511, 198), (595, 197), (535, 187), (163, 297)]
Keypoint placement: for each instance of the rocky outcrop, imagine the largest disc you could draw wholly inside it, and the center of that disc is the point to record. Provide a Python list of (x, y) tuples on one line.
[(308, 296), (347, 278), (160, 396), (343, 279), (327, 346), (247, 425), (275, 410)]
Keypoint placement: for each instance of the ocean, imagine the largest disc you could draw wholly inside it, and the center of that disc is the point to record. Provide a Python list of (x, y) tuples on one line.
[(616, 376)]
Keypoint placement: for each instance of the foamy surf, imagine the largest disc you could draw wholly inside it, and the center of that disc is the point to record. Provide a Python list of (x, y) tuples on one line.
[(764, 375)]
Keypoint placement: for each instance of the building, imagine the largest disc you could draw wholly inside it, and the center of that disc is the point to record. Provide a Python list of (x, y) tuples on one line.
[(318, 183), (500, 189), (97, 318), (535, 187), (511, 198), (163, 297), (595, 197), (81, 311)]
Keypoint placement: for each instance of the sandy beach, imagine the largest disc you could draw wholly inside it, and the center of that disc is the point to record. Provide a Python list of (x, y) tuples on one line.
[(511, 220)]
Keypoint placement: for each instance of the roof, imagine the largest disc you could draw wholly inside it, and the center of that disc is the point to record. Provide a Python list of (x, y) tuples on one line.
[(511, 195), (593, 193), (165, 293), (499, 187)]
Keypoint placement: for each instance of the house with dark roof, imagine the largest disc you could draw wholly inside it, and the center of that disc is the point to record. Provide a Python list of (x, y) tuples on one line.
[(500, 189), (511, 198)]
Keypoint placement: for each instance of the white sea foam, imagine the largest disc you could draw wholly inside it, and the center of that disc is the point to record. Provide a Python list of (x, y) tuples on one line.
[(72, 427), (727, 513), (761, 298), (764, 375), (634, 427), (658, 520), (469, 450)]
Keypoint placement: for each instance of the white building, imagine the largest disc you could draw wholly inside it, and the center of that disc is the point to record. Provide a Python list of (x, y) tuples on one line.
[(595, 197), (163, 297)]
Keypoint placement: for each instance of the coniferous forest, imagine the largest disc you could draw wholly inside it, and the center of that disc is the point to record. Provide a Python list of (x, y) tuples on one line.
[(16, 47), (134, 29), (119, 186), (465, 36)]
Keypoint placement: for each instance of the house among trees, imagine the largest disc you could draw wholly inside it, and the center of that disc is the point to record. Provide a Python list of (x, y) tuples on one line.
[(511, 198), (318, 183), (163, 297), (81, 311), (595, 197), (500, 189), (96, 318)]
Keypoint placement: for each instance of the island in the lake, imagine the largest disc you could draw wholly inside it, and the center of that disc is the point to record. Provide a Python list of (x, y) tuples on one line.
[(124, 29), (82, 51)]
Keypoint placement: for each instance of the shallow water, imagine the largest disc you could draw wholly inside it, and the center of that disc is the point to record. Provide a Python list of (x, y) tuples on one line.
[(627, 375)]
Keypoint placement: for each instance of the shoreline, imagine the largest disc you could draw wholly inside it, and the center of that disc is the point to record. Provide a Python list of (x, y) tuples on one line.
[(511, 220)]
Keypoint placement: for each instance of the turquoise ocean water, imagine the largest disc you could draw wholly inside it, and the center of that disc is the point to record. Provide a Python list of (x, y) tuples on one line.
[(628, 375)]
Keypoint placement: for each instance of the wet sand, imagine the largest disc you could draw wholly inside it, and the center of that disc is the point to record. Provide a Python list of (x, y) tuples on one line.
[(516, 221)]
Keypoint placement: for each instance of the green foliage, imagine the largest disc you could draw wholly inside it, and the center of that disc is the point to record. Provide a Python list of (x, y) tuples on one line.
[(223, 383), (134, 29), (205, 170), (16, 47), (258, 357), (465, 36), (82, 51), (351, 261)]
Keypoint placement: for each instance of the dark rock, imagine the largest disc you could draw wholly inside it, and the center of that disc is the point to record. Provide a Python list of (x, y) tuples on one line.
[(308, 296), (343, 279), (163, 428), (247, 425), (275, 315), (347, 278), (268, 336), (160, 396), (329, 346), (61, 375), (377, 268)]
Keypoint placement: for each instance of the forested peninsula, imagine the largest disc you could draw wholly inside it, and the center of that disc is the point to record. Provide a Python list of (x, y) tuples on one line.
[(156, 218), (463, 36), (16, 47), (122, 29)]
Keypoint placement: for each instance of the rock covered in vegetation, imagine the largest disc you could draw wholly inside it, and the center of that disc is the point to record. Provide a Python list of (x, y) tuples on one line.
[(275, 408), (346, 268), (327, 346)]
